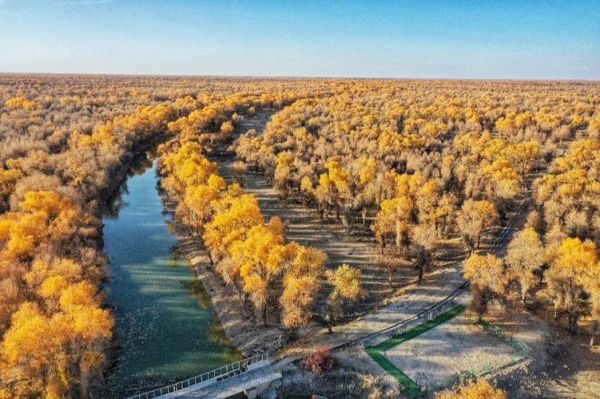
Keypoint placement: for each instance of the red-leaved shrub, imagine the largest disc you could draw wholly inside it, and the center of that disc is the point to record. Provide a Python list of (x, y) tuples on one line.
[(318, 362)]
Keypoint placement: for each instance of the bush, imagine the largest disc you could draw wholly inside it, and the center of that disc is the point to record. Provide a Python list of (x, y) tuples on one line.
[(319, 362)]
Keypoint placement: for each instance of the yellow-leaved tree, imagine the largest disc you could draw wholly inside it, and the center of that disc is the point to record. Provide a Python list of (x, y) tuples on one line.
[(480, 389), (234, 216), (473, 219), (347, 288), (525, 257), (571, 279), (47, 355), (260, 259), (302, 282), (489, 279)]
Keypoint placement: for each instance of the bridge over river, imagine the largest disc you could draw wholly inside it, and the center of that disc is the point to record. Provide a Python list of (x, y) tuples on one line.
[(249, 376), (252, 375)]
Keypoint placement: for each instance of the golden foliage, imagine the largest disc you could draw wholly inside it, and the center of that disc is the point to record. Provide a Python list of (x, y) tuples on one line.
[(480, 389)]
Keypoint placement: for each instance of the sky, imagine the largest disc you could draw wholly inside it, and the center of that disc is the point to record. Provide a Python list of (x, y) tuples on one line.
[(524, 39)]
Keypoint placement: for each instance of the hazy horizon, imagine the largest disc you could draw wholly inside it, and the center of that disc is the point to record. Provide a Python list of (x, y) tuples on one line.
[(275, 77), (548, 40)]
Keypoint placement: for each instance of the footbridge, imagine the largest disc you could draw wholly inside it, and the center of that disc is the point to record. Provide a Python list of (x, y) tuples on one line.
[(249, 376)]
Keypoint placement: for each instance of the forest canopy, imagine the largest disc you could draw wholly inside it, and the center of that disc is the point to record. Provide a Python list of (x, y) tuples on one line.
[(411, 165)]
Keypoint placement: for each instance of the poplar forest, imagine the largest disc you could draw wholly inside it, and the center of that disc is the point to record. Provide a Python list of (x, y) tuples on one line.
[(309, 211)]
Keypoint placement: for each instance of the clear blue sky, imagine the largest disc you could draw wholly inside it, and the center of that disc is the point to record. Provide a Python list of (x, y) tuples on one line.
[(422, 39)]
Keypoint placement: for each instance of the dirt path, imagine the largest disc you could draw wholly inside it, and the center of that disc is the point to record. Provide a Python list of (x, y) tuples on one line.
[(304, 226)]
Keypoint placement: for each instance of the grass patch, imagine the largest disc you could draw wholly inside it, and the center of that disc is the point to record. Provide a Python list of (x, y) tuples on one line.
[(411, 389)]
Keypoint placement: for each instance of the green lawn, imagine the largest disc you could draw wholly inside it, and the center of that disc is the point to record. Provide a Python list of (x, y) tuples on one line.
[(411, 389)]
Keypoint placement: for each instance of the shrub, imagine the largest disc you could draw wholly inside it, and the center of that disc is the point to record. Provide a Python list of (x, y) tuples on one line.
[(319, 362)]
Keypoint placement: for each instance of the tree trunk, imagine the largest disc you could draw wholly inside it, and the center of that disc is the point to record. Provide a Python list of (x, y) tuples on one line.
[(573, 323), (264, 315), (398, 234), (364, 216), (240, 294), (421, 268), (83, 388), (346, 220)]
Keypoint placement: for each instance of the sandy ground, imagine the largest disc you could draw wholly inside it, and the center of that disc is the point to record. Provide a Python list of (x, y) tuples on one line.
[(435, 359), (561, 365), (303, 225), (435, 288), (358, 249), (350, 378)]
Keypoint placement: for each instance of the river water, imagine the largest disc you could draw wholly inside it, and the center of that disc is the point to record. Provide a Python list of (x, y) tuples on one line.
[(165, 329)]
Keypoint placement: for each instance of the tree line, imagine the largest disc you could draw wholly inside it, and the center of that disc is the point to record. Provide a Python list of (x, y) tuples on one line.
[(419, 163), (415, 162), (66, 146), (280, 280)]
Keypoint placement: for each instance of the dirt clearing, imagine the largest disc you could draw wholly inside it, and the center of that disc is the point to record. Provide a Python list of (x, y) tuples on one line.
[(437, 357)]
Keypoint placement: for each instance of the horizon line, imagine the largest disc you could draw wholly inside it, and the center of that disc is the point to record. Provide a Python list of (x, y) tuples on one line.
[(297, 77)]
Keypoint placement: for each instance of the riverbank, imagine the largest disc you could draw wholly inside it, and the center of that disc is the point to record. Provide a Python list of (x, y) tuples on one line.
[(165, 331), (245, 335)]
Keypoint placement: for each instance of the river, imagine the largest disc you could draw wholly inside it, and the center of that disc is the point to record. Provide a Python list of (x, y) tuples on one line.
[(165, 328)]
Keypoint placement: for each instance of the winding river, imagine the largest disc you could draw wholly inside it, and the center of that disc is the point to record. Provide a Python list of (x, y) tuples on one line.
[(165, 329)]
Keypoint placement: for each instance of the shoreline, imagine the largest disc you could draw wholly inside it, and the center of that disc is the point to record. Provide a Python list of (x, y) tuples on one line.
[(242, 334)]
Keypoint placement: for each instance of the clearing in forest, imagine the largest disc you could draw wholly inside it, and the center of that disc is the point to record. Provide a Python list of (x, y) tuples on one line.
[(434, 358), (303, 225)]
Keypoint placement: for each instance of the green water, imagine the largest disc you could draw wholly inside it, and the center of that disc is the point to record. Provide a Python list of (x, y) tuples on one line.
[(164, 329)]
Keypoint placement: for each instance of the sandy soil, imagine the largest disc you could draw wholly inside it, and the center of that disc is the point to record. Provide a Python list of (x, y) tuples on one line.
[(358, 249), (304, 226), (561, 365), (435, 359), (348, 379), (436, 287)]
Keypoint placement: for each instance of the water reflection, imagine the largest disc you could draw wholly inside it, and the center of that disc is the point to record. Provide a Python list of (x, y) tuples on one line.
[(117, 201), (165, 328)]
